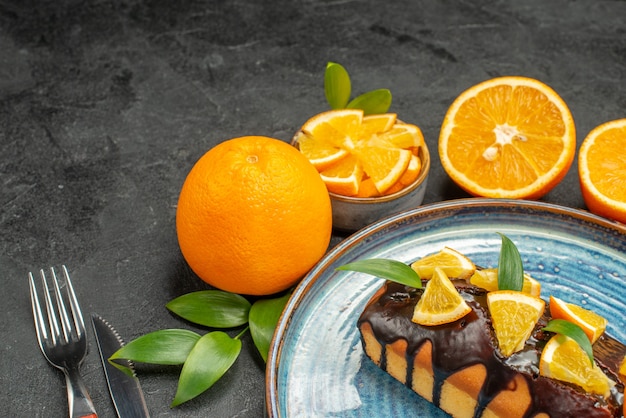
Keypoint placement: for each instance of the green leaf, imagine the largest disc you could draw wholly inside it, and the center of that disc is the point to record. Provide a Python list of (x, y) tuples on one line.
[(573, 331), (168, 346), (510, 268), (373, 102), (212, 308), (393, 270), (337, 85), (263, 318), (210, 358)]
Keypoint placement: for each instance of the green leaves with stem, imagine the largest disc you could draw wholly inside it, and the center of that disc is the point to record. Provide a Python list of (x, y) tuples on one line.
[(393, 270), (205, 358), (338, 89)]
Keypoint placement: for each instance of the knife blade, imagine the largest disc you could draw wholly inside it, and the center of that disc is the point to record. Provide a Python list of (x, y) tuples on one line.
[(125, 390)]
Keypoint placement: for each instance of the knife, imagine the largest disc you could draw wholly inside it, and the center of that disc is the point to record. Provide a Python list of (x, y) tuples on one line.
[(125, 390)]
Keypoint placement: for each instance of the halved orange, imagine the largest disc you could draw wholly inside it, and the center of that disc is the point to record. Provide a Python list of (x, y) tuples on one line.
[(514, 316), (508, 137), (590, 322), (563, 359), (602, 170), (385, 148), (440, 303)]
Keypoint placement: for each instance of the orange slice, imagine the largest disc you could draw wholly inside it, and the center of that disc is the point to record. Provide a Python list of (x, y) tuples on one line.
[(592, 323), (440, 303), (488, 280), (508, 137), (338, 127), (344, 177), (321, 153), (412, 171), (514, 316), (563, 359), (453, 263), (375, 124), (602, 170), (386, 149), (404, 136)]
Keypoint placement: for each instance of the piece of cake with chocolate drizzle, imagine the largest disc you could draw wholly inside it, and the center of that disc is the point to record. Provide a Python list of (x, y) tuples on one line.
[(483, 359)]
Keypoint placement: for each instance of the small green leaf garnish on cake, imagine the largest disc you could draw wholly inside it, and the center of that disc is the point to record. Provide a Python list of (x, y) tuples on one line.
[(510, 268), (573, 331), (392, 270)]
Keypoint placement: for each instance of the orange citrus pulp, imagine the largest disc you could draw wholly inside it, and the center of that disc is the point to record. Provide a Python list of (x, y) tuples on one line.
[(363, 156), (508, 137), (602, 170), (591, 323)]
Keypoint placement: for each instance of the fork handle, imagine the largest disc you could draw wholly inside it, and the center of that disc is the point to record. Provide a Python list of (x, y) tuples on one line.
[(78, 399)]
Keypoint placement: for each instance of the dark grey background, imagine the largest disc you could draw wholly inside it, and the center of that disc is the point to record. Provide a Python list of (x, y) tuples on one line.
[(105, 106)]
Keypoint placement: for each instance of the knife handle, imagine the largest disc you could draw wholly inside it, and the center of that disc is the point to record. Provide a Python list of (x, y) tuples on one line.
[(79, 400)]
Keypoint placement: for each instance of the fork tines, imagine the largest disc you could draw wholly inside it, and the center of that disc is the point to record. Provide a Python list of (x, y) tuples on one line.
[(56, 310)]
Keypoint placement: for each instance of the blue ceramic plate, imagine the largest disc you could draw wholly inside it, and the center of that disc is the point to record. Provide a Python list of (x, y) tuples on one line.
[(317, 367)]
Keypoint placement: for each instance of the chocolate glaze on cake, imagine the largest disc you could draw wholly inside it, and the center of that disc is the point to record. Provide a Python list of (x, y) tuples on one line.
[(471, 340)]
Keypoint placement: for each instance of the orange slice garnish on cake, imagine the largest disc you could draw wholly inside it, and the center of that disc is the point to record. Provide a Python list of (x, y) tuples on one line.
[(440, 303), (591, 323), (452, 262), (563, 359), (514, 316), (488, 280)]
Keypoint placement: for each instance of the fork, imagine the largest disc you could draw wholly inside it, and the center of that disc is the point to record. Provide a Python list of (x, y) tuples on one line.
[(62, 339)]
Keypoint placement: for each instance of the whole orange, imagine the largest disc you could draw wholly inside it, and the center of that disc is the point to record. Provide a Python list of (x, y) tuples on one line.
[(253, 216)]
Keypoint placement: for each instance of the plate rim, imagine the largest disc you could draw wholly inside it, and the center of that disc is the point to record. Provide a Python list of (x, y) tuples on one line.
[(300, 291)]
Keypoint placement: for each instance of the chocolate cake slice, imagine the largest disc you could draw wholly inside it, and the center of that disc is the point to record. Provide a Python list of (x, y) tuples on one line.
[(458, 367)]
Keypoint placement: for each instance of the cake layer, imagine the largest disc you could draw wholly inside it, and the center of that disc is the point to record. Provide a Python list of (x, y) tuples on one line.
[(457, 367)]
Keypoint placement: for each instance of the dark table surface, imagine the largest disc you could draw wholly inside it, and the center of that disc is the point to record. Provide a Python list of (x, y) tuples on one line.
[(105, 106)]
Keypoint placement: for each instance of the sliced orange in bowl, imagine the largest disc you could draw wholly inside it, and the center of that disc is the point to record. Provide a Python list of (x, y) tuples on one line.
[(385, 166), (440, 303), (591, 323), (338, 127), (390, 153), (322, 154), (602, 170), (404, 136), (514, 316), (563, 359), (343, 177), (508, 137), (376, 124)]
